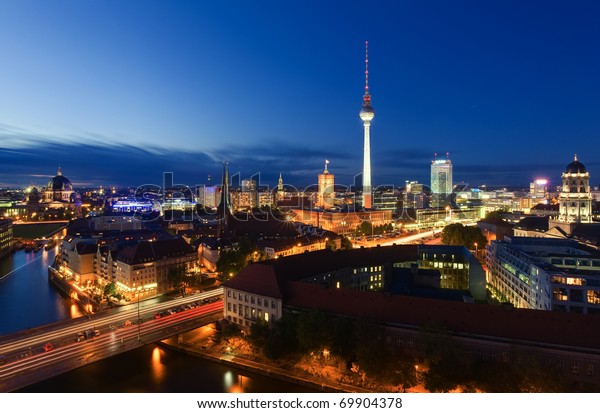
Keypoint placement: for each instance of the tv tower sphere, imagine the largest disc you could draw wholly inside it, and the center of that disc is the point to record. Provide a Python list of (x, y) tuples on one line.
[(367, 113)]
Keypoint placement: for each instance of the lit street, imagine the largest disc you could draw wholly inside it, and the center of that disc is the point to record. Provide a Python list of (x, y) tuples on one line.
[(36, 354)]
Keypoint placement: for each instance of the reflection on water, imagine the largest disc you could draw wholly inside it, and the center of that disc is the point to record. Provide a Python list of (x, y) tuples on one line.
[(27, 299), (237, 383), (154, 369), (157, 366), (75, 311)]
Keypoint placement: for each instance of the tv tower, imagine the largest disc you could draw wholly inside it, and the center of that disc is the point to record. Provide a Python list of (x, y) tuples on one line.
[(367, 114)]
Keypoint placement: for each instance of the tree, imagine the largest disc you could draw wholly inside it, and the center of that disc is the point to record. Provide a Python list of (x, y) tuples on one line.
[(372, 354), (230, 330), (282, 340), (110, 289), (176, 277), (499, 214), (259, 333), (313, 331), (458, 234), (448, 367), (233, 261), (365, 228), (346, 243)]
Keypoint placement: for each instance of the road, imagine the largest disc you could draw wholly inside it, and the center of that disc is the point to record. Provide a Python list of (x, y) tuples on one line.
[(26, 361), (404, 239)]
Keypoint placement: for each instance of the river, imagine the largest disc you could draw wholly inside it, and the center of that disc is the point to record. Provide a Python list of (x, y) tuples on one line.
[(28, 300)]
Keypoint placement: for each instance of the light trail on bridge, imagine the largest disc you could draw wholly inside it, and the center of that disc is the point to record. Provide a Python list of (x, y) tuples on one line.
[(27, 362)]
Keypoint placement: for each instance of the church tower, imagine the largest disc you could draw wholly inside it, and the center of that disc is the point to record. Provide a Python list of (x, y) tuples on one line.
[(326, 194)]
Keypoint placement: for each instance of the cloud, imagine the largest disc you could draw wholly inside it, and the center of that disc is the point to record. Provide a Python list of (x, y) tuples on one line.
[(28, 158)]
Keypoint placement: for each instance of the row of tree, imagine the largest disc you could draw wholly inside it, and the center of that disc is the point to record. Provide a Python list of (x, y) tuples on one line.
[(361, 345), (364, 348)]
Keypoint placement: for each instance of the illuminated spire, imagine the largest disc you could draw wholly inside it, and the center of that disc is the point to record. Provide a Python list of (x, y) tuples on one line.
[(326, 163), (280, 183), (59, 172), (575, 158), (367, 96)]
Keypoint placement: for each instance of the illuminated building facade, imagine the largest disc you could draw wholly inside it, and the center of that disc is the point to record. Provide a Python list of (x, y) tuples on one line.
[(441, 182), (142, 266), (538, 188), (6, 237), (575, 199), (545, 274), (208, 196), (326, 192), (459, 269), (342, 222)]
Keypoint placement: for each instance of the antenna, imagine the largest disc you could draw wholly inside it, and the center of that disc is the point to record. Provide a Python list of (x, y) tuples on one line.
[(367, 97), (366, 68)]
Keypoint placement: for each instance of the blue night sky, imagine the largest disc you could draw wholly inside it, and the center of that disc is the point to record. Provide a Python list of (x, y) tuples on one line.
[(118, 91)]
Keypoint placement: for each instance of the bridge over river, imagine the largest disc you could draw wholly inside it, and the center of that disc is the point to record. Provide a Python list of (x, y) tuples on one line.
[(35, 354)]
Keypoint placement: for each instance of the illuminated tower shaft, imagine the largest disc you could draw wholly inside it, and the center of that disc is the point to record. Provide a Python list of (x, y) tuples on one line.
[(367, 114), (367, 194)]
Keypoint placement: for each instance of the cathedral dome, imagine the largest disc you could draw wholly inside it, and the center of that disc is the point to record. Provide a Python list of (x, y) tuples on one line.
[(575, 167), (59, 183)]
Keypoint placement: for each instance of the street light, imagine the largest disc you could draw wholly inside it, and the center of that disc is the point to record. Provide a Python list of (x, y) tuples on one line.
[(138, 316)]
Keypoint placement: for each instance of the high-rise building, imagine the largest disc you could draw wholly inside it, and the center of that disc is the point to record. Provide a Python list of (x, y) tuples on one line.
[(538, 188), (441, 182), (208, 195), (367, 114), (326, 194)]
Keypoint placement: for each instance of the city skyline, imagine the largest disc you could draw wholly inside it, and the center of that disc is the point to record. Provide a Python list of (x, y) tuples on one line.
[(509, 90)]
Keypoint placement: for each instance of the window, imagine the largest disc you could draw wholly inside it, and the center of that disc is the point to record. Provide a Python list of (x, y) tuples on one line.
[(266, 303), (246, 297), (590, 369), (575, 367), (273, 305), (234, 295), (229, 293), (252, 300), (228, 306), (235, 308)]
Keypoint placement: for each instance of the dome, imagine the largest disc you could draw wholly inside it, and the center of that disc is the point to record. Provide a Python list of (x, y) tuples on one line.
[(575, 167), (59, 183)]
